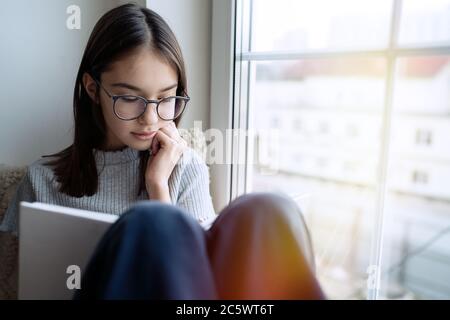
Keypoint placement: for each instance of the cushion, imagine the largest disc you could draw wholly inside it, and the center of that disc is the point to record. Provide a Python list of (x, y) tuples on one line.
[(9, 180)]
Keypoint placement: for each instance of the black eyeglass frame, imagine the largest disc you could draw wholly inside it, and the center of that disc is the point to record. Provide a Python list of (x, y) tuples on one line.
[(147, 102)]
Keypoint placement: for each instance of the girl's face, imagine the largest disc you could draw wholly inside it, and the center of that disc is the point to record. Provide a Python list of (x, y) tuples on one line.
[(142, 73)]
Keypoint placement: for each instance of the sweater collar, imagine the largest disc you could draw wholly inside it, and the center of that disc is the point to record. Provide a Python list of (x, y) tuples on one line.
[(115, 157)]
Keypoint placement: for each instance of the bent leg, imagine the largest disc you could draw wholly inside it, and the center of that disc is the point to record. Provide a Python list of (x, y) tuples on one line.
[(260, 248), (153, 251)]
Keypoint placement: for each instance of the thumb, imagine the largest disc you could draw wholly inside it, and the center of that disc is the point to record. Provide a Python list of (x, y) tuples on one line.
[(154, 146)]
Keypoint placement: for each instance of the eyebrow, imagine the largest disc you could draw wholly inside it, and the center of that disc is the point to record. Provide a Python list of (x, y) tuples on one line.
[(134, 88)]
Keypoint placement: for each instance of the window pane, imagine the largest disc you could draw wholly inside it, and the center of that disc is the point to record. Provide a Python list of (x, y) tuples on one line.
[(295, 25), (328, 115), (425, 22), (417, 228)]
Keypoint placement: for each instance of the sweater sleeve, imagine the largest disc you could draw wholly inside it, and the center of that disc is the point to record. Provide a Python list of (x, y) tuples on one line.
[(24, 192), (194, 195)]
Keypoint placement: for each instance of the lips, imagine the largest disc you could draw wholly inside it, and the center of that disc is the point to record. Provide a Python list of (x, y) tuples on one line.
[(148, 133), (144, 135)]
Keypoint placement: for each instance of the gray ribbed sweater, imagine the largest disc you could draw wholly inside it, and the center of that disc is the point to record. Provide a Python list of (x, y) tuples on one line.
[(118, 185)]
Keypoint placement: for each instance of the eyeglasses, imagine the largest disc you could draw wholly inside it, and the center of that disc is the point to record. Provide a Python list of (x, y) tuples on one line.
[(129, 107)]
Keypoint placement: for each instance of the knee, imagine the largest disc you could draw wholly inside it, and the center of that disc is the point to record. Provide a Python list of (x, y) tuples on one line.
[(150, 210), (147, 215), (272, 212), (266, 205)]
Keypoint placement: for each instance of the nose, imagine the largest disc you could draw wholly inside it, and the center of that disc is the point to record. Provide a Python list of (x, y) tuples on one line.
[(150, 116)]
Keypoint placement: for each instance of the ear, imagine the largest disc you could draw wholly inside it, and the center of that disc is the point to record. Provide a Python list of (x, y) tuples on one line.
[(91, 87)]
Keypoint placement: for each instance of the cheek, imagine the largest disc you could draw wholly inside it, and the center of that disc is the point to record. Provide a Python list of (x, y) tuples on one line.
[(107, 111), (120, 128), (113, 123)]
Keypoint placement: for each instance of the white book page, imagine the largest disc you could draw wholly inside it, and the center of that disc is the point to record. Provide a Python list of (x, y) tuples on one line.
[(93, 215)]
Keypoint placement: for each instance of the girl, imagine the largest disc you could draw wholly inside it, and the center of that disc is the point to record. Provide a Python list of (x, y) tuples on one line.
[(128, 159), (130, 55)]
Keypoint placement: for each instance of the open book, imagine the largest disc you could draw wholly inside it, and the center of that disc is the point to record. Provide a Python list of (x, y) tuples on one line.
[(55, 245)]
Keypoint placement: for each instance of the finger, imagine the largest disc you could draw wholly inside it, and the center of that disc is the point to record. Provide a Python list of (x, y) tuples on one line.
[(164, 139), (172, 131), (158, 139), (170, 126), (154, 145)]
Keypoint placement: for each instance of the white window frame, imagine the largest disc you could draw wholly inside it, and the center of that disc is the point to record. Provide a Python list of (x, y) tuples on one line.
[(222, 92)]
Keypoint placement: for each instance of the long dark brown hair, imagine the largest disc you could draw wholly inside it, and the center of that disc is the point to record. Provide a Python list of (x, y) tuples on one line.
[(117, 33)]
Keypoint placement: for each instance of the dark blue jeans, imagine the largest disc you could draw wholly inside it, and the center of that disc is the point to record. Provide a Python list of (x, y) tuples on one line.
[(257, 248)]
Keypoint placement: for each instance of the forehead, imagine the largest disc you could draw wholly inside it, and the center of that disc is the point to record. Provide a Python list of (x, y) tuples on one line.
[(144, 69)]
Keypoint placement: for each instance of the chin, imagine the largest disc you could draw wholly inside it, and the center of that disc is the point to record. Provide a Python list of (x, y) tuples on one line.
[(140, 146)]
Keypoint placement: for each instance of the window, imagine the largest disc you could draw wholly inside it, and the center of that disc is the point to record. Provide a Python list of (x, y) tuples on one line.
[(363, 87), (420, 177), (423, 137)]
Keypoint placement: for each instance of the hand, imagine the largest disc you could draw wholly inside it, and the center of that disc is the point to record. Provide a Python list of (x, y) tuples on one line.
[(167, 148)]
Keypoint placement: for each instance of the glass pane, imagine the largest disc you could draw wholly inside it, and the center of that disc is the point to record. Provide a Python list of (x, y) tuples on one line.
[(327, 115), (416, 247), (425, 22), (295, 25)]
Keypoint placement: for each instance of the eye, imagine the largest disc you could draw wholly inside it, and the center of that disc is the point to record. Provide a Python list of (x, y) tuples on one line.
[(129, 98)]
